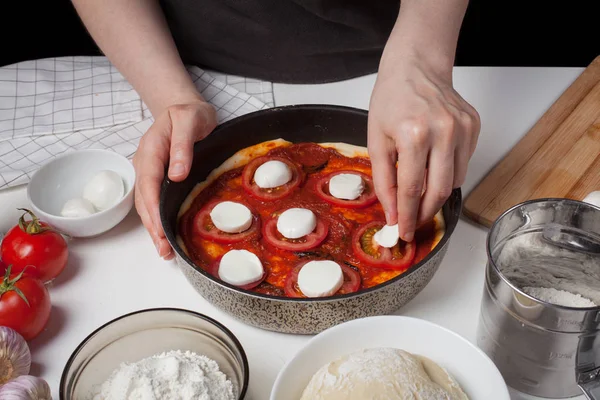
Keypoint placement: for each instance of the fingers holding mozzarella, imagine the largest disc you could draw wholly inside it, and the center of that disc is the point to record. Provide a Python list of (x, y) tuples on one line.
[(240, 268), (387, 236), (231, 217), (367, 248)]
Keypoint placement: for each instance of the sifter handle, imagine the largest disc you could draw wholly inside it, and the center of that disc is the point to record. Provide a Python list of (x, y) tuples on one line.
[(588, 364), (591, 389)]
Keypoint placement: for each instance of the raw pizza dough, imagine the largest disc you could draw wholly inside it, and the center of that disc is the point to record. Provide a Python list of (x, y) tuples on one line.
[(383, 374)]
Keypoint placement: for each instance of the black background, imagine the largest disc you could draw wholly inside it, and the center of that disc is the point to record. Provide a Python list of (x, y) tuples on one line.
[(494, 33)]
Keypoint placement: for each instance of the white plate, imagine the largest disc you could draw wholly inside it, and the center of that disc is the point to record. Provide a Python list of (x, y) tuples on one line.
[(475, 372)]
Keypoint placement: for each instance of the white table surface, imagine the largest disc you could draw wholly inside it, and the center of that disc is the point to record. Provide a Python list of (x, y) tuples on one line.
[(120, 272)]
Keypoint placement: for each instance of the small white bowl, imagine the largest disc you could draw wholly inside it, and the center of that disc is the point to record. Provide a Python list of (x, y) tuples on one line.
[(474, 371), (64, 177)]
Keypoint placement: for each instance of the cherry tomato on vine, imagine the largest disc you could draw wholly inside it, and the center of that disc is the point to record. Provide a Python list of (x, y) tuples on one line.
[(24, 304), (34, 245)]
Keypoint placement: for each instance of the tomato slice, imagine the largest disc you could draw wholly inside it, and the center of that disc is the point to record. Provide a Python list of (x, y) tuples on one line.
[(213, 269), (351, 283), (205, 228), (269, 194), (352, 280), (310, 241), (398, 257), (367, 198)]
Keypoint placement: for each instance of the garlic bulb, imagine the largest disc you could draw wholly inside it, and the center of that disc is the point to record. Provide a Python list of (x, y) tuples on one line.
[(26, 387), (15, 358)]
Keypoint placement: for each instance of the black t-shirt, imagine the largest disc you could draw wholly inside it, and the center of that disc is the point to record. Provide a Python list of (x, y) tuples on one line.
[(294, 41)]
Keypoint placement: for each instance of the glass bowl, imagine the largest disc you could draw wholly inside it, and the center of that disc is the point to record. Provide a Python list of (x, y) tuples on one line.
[(144, 333)]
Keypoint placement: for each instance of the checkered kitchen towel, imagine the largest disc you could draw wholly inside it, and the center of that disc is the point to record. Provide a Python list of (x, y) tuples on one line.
[(52, 106)]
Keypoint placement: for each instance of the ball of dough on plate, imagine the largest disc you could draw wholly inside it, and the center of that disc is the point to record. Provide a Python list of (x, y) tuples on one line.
[(382, 374)]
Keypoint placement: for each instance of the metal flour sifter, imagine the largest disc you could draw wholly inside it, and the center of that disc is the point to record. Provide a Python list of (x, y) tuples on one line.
[(541, 348)]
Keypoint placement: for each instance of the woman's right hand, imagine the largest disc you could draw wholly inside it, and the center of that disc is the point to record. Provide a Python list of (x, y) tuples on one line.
[(168, 142)]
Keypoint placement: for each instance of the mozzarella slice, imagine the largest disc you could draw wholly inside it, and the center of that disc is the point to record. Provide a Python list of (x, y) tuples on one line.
[(231, 217), (593, 198), (77, 208), (104, 190), (295, 223), (272, 174), (240, 267), (387, 236), (320, 278), (346, 186)]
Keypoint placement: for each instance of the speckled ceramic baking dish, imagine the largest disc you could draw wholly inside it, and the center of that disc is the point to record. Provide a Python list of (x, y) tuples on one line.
[(304, 123)]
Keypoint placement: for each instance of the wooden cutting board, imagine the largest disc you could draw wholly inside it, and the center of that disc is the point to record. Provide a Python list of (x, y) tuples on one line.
[(558, 157)]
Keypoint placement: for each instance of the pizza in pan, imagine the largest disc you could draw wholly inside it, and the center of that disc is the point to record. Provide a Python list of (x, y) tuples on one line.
[(297, 220)]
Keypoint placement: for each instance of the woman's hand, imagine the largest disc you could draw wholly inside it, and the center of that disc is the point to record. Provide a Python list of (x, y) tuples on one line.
[(419, 121), (168, 142)]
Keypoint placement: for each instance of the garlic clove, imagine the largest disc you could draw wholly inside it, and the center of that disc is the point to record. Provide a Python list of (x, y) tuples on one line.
[(26, 387), (15, 357)]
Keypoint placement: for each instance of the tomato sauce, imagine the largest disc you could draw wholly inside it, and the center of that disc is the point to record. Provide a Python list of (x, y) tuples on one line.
[(314, 162)]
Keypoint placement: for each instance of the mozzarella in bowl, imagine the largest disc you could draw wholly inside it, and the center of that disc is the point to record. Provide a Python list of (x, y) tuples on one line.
[(104, 190), (56, 191)]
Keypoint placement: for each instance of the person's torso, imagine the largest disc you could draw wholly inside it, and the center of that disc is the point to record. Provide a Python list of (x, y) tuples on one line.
[(298, 41)]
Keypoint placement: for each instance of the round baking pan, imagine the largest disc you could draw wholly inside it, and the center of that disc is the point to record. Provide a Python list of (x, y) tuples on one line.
[(301, 123)]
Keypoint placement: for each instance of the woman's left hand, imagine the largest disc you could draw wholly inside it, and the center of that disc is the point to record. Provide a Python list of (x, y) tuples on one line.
[(420, 122)]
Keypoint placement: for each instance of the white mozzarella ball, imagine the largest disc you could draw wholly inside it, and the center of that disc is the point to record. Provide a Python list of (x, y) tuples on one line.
[(231, 217), (272, 174), (240, 267), (346, 186), (387, 236), (104, 190), (77, 208), (320, 278), (295, 223)]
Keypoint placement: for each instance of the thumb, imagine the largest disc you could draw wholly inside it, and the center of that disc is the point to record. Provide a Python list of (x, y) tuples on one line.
[(190, 123)]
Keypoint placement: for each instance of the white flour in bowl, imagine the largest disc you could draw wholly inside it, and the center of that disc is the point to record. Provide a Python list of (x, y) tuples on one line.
[(175, 375), (559, 297)]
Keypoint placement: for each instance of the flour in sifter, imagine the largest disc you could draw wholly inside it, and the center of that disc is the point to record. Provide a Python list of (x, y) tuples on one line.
[(174, 375), (559, 297)]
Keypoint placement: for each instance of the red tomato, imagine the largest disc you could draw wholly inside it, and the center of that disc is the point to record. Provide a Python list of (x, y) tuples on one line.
[(367, 198), (207, 230), (24, 304), (36, 245), (368, 251), (269, 194), (214, 271), (351, 281), (310, 241)]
